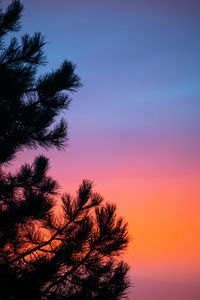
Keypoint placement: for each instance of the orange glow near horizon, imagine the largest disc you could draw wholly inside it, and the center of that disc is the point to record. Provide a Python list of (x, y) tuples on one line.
[(162, 216)]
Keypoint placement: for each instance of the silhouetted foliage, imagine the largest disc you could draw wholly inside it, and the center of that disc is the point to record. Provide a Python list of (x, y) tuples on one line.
[(49, 248)]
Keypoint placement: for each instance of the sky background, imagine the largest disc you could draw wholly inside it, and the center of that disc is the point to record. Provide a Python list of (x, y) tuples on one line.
[(134, 127)]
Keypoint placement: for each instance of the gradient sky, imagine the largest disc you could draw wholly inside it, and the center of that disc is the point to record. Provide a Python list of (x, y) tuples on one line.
[(134, 127)]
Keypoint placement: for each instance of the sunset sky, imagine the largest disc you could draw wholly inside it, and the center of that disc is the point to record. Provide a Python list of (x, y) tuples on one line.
[(134, 126)]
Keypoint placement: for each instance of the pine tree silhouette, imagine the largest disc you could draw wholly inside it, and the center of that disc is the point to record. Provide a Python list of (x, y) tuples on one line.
[(48, 252)]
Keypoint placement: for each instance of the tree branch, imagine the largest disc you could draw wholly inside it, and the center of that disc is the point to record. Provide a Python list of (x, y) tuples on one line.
[(60, 231)]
